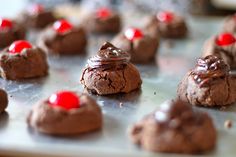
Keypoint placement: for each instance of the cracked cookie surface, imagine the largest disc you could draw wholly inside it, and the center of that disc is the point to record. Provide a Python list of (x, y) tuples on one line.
[(110, 72)]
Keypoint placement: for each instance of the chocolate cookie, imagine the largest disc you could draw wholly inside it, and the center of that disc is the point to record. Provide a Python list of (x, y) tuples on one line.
[(141, 45), (3, 100), (208, 84), (36, 16), (175, 128), (223, 46), (103, 20), (109, 72), (10, 31), (21, 60), (63, 38), (230, 24), (168, 24), (65, 113)]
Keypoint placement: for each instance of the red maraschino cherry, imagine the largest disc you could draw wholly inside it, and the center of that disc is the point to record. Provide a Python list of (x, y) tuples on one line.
[(18, 46), (165, 16), (62, 26), (36, 8), (133, 33), (225, 39), (64, 99), (5, 24), (103, 13)]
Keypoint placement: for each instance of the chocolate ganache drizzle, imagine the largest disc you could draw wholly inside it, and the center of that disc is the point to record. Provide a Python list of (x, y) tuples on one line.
[(109, 56), (209, 68)]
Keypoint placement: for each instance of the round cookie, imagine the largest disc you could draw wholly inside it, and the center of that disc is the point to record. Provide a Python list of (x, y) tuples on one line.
[(4, 100), (63, 38), (175, 128), (22, 60), (10, 31), (141, 45), (208, 84), (109, 72), (37, 17), (224, 46), (168, 24), (103, 20), (65, 113), (230, 24)]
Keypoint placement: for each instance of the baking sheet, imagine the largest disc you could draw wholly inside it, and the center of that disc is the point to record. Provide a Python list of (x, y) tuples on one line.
[(159, 83)]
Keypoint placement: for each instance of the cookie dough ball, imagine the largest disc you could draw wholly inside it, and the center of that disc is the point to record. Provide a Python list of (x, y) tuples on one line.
[(224, 46), (62, 38), (3, 100), (175, 128), (36, 17), (103, 20), (168, 24), (65, 113), (208, 84), (21, 60), (110, 72), (141, 45), (230, 24), (10, 31)]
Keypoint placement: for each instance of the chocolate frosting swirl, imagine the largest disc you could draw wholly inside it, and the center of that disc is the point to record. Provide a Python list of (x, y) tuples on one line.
[(209, 68), (109, 56)]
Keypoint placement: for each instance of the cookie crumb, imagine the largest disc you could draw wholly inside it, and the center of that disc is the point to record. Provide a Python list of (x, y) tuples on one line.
[(222, 108), (228, 124), (169, 44), (121, 104)]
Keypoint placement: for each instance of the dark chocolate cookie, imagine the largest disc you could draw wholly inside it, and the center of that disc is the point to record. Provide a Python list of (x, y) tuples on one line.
[(65, 113), (63, 38), (37, 17), (3, 100), (10, 31), (22, 60), (103, 20), (175, 128), (141, 45), (208, 84), (224, 46), (168, 24), (109, 72)]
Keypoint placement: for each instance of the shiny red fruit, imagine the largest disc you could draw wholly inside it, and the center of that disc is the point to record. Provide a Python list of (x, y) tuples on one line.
[(165, 16), (36, 8), (62, 26), (103, 13), (225, 39), (64, 99), (18, 46), (133, 33), (5, 24)]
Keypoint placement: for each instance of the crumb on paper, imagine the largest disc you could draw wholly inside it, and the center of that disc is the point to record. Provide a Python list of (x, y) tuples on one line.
[(228, 124), (121, 104), (222, 108), (169, 44)]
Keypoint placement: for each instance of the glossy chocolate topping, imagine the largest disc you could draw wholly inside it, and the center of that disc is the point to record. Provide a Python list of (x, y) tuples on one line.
[(108, 56), (209, 68), (174, 113)]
